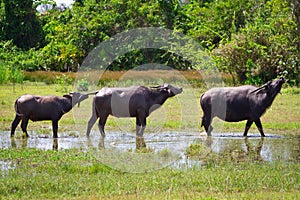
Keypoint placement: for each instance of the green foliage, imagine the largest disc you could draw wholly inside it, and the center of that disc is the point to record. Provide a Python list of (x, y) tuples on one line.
[(83, 85), (22, 60), (15, 75), (63, 82), (10, 71), (10, 75), (263, 48), (3, 73), (251, 40), (214, 21)]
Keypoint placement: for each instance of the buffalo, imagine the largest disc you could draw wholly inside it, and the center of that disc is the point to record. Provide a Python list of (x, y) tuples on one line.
[(233, 104), (40, 108), (134, 101)]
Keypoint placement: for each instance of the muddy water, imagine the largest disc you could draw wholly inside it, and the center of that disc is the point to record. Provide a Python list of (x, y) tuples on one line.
[(167, 148)]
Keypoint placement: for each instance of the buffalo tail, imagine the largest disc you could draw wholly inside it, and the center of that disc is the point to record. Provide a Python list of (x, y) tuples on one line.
[(16, 109)]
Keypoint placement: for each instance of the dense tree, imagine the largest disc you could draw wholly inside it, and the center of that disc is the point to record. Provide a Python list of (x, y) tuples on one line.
[(264, 47), (2, 15), (254, 40), (21, 24), (296, 10)]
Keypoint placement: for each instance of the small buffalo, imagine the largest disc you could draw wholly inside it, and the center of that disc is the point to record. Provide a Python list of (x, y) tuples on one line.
[(135, 101), (234, 104), (40, 108)]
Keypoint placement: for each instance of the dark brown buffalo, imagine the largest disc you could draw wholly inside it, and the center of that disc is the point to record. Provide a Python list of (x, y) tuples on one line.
[(135, 101), (40, 108), (234, 104)]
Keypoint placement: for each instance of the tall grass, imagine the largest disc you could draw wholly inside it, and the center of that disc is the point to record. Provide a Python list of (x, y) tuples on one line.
[(105, 78), (10, 74), (48, 77)]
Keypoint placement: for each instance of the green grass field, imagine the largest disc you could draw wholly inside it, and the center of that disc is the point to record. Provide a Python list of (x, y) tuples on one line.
[(77, 174), (73, 174)]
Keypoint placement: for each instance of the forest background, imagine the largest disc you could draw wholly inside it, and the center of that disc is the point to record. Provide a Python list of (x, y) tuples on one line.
[(251, 40)]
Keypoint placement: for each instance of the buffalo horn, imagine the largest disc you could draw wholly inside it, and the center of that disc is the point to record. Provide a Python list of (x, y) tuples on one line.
[(155, 87), (95, 92), (260, 88)]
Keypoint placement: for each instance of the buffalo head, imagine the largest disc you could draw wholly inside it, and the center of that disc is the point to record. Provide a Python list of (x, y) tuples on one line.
[(272, 88), (77, 97), (170, 89)]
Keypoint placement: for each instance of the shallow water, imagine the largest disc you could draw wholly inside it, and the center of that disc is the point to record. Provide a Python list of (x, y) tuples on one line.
[(5, 166), (167, 148)]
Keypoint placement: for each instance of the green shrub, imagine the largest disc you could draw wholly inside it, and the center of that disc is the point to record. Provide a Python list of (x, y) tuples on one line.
[(253, 41), (3, 73), (83, 85), (10, 74), (264, 48), (15, 75), (63, 83)]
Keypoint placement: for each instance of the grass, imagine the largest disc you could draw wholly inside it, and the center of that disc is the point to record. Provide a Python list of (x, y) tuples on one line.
[(73, 173), (79, 174)]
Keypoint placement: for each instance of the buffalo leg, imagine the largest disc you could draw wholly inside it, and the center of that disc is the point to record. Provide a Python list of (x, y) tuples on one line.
[(260, 128), (248, 125), (24, 126), (14, 125), (101, 124), (141, 121), (206, 122), (55, 128), (209, 130), (91, 122), (138, 126)]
